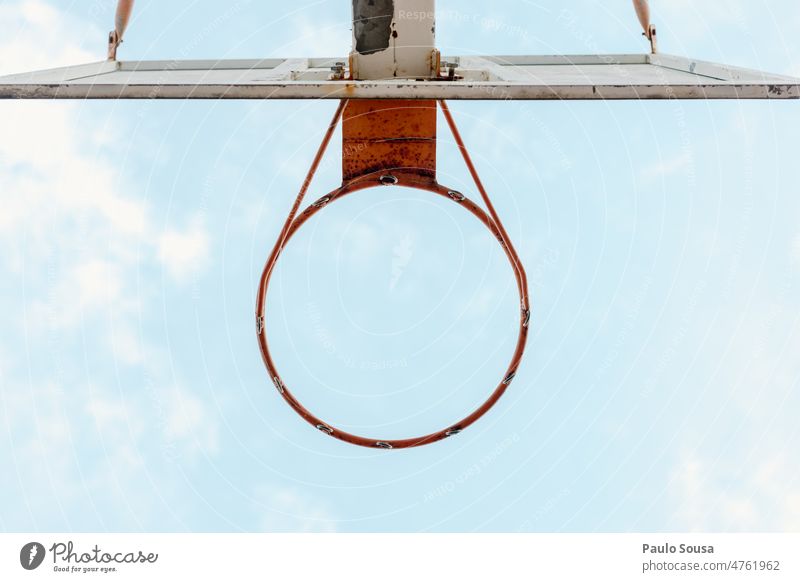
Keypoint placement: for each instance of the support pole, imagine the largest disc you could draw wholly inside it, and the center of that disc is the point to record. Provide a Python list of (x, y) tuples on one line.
[(121, 19), (643, 12)]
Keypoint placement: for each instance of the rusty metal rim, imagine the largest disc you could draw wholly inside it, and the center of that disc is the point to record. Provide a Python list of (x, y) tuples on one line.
[(407, 179)]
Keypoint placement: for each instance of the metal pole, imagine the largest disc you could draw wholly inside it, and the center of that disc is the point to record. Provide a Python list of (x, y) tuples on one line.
[(121, 19), (643, 13)]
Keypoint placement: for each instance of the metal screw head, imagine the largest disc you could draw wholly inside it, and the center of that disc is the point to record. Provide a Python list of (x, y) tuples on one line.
[(450, 67)]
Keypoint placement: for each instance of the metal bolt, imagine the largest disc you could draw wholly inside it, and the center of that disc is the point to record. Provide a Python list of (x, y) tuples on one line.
[(338, 71), (451, 69)]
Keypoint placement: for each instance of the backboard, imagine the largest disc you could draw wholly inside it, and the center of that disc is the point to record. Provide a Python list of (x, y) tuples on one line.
[(499, 78), (394, 56)]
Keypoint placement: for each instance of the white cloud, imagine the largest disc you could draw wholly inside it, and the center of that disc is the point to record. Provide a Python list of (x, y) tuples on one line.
[(49, 176), (75, 235), (318, 38), (184, 253), (666, 167), (127, 345), (97, 282), (108, 414), (188, 421), (698, 19), (36, 35), (62, 191), (748, 480), (760, 497), (287, 510), (64, 194)]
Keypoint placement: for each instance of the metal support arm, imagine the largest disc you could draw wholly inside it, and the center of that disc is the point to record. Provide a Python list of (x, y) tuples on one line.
[(643, 12), (123, 16)]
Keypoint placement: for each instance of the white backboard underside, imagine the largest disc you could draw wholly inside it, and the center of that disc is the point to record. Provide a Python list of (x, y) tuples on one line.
[(478, 78)]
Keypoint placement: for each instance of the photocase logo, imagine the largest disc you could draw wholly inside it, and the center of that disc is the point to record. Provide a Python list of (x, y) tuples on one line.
[(31, 555)]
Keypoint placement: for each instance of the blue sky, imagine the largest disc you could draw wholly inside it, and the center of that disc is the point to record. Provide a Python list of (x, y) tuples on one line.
[(661, 386)]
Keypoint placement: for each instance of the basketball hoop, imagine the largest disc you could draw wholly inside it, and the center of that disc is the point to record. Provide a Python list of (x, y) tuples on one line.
[(376, 163), (389, 89)]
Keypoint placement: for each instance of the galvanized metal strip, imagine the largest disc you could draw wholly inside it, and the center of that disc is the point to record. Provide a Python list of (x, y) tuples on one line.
[(716, 70)]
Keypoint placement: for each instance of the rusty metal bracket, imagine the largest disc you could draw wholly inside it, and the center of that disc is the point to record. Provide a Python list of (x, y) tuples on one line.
[(653, 38), (113, 43), (386, 135)]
